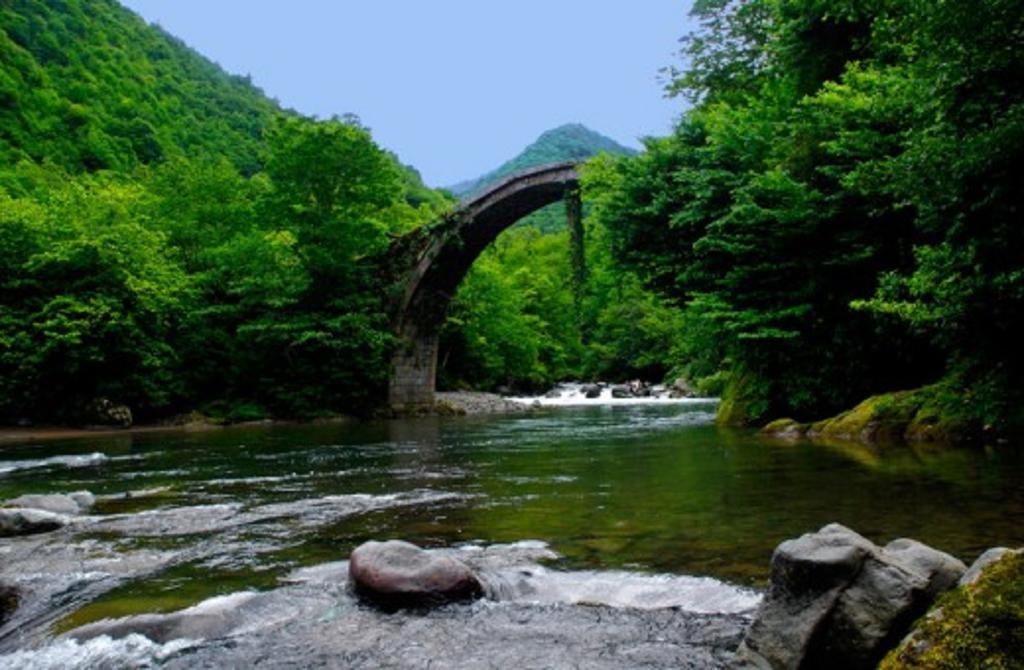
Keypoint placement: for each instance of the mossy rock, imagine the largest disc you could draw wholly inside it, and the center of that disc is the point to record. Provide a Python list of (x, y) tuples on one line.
[(978, 625), (937, 413), (945, 415), (788, 428), (879, 418), (449, 408), (744, 402)]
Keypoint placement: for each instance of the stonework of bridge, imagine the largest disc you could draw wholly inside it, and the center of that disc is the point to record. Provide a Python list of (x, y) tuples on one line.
[(439, 258)]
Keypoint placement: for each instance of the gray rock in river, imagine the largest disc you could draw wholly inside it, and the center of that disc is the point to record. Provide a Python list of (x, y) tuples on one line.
[(397, 574), (839, 601), (681, 388), (78, 502), (622, 392), (18, 521), (591, 391)]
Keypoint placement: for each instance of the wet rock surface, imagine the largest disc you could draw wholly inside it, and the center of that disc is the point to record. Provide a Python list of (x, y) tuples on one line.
[(532, 617), (17, 522), (9, 598), (78, 502), (839, 601), (315, 621), (466, 402), (397, 574)]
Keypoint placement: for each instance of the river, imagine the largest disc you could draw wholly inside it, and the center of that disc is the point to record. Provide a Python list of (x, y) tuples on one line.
[(660, 522)]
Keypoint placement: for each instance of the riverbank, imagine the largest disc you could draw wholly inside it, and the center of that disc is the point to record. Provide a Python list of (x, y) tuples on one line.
[(454, 403), (20, 434)]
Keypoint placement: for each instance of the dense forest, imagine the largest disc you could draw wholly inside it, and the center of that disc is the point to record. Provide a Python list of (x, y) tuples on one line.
[(172, 240), (841, 208), (573, 141), (518, 322), (836, 215)]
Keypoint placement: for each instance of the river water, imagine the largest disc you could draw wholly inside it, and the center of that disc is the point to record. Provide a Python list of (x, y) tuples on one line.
[(632, 535)]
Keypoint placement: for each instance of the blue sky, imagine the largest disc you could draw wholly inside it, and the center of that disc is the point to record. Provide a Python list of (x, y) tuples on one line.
[(454, 87)]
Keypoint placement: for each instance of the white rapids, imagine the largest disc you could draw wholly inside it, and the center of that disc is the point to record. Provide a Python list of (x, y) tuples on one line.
[(573, 394)]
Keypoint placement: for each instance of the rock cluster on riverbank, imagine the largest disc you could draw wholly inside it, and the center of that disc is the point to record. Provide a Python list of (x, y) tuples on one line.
[(838, 601)]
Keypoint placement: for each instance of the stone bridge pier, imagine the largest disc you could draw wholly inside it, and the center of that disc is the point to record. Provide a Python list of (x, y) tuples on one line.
[(442, 254)]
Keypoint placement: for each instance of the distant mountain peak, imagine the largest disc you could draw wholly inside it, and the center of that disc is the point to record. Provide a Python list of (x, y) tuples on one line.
[(571, 141)]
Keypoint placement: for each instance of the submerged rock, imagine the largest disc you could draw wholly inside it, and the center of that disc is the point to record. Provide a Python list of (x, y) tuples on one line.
[(75, 503), (398, 574), (9, 598), (18, 521), (839, 601)]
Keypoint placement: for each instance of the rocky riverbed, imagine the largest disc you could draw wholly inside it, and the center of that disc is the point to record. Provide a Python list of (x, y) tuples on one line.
[(226, 548), (834, 595), (530, 616)]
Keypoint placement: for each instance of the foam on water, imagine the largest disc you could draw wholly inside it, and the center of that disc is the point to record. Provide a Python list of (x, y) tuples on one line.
[(77, 461), (511, 574), (619, 589), (132, 651), (572, 395)]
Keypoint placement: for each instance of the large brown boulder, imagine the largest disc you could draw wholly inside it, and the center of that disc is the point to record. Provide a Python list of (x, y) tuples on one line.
[(397, 574), (839, 601)]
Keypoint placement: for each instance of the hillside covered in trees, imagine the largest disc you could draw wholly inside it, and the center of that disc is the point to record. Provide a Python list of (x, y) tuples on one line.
[(90, 86), (837, 216), (572, 141), (518, 321), (171, 239), (841, 211)]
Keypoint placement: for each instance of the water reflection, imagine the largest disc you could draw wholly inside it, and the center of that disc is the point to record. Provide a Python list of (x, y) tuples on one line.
[(657, 489)]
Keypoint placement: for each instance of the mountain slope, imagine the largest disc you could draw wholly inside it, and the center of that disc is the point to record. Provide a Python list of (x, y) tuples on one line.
[(572, 141), (88, 85)]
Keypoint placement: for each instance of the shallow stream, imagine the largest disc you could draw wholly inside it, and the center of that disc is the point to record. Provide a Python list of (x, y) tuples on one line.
[(634, 535)]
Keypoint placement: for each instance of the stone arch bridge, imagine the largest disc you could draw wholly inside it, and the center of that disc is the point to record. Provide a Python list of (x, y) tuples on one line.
[(434, 260)]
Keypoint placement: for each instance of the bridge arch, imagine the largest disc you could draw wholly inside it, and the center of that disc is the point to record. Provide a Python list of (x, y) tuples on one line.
[(441, 260)]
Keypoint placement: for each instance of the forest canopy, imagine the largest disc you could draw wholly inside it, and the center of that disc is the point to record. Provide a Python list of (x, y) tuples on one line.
[(841, 206), (836, 214)]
